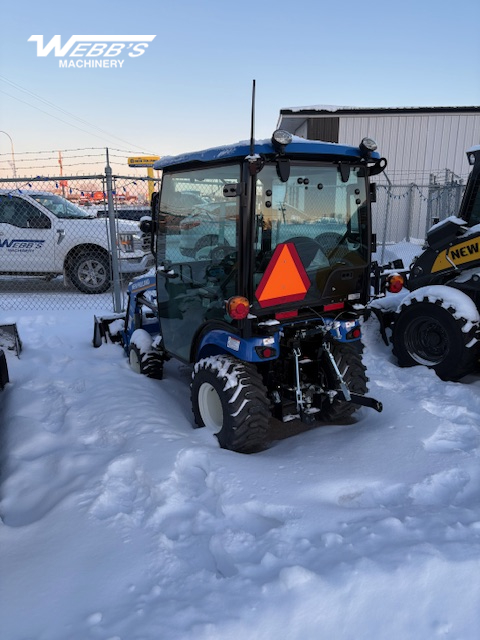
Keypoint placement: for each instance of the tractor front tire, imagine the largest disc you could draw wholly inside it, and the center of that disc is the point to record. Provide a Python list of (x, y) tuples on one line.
[(429, 334), (229, 398), (348, 358), (142, 357)]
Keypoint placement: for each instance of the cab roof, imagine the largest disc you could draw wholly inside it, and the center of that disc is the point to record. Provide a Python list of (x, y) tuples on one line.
[(298, 147)]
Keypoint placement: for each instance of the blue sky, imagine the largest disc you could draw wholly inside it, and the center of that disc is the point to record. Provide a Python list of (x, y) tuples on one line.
[(191, 89)]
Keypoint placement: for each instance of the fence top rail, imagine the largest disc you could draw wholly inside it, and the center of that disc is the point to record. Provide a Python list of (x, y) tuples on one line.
[(86, 177), (50, 179), (138, 178)]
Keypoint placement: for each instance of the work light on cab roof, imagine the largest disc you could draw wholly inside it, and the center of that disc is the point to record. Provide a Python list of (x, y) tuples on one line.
[(280, 139), (368, 146)]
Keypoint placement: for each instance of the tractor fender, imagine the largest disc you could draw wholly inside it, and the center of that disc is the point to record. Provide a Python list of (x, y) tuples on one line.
[(449, 298), (217, 340)]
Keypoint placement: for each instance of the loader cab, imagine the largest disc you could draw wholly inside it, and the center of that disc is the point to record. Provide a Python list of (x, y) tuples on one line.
[(470, 209), (280, 234)]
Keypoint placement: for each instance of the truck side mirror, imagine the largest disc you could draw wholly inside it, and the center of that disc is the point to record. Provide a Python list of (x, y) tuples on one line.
[(146, 224)]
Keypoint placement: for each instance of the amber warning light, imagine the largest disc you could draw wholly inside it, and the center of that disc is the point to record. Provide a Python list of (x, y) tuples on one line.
[(238, 307), (395, 283)]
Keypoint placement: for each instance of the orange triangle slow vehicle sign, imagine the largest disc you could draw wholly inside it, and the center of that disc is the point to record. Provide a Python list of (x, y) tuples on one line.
[(285, 279)]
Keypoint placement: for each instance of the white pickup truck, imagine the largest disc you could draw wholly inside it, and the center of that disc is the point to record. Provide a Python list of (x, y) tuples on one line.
[(43, 234)]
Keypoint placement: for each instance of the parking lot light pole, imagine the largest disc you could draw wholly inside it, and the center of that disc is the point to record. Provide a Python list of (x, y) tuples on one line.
[(13, 153)]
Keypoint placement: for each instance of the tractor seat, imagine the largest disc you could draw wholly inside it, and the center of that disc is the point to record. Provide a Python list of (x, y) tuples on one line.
[(307, 249)]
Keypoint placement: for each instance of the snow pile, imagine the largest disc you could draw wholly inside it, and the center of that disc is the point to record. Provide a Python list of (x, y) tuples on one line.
[(122, 522)]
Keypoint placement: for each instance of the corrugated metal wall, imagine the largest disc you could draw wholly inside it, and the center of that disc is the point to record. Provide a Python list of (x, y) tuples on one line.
[(417, 145), (426, 162), (326, 129)]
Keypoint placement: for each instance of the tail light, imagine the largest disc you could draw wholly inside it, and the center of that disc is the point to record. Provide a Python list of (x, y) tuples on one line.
[(238, 307), (395, 283), (354, 334)]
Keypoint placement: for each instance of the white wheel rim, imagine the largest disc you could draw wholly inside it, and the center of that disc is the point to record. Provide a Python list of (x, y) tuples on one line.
[(92, 273), (134, 361), (210, 407)]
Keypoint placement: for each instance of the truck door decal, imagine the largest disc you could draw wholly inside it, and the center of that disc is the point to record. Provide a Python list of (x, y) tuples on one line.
[(19, 245)]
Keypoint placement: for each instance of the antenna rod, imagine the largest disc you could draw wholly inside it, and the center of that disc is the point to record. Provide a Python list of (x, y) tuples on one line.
[(252, 127)]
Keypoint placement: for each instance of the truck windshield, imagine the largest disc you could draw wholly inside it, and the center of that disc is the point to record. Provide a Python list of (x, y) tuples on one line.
[(60, 207)]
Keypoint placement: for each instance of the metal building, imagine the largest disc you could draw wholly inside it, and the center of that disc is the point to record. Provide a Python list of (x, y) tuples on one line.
[(425, 149), (417, 141)]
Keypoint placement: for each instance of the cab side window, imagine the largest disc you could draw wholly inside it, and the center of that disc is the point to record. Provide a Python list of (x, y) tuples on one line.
[(20, 213)]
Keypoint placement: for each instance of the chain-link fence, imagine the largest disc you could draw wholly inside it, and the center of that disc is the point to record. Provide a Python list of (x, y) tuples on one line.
[(72, 242), (403, 214), (56, 248)]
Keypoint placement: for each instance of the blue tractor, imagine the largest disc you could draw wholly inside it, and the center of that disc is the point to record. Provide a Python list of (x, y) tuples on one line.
[(263, 263)]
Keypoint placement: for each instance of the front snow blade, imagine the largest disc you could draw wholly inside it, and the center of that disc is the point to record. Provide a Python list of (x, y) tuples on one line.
[(107, 329), (3, 370), (9, 338)]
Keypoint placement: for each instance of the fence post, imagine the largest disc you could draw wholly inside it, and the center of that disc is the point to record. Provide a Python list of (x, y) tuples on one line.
[(429, 220), (387, 214), (410, 209), (117, 293)]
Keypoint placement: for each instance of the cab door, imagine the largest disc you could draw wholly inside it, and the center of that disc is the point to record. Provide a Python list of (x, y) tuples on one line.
[(192, 289), (27, 237)]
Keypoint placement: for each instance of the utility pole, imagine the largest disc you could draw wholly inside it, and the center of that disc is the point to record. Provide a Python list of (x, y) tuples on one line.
[(13, 154)]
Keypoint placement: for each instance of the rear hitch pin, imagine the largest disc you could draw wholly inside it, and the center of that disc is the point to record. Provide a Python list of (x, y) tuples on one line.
[(343, 386)]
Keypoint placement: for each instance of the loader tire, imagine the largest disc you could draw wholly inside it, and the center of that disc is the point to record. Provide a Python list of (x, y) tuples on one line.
[(229, 398), (143, 358), (348, 358), (429, 334)]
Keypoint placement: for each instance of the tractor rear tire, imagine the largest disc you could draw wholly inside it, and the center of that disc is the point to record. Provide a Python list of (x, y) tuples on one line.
[(348, 357), (229, 398), (427, 333), (143, 359)]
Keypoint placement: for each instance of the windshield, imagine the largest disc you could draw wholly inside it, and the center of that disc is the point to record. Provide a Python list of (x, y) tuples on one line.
[(60, 207), (315, 203), (321, 213)]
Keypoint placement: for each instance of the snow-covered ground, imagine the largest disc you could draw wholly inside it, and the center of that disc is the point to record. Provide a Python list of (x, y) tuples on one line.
[(122, 522)]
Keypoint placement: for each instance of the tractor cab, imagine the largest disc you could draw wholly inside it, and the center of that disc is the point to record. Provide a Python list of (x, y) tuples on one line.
[(248, 239), (262, 257)]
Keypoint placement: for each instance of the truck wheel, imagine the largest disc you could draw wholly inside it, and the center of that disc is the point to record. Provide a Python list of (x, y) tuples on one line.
[(427, 333), (229, 398), (90, 272), (143, 359), (348, 358)]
